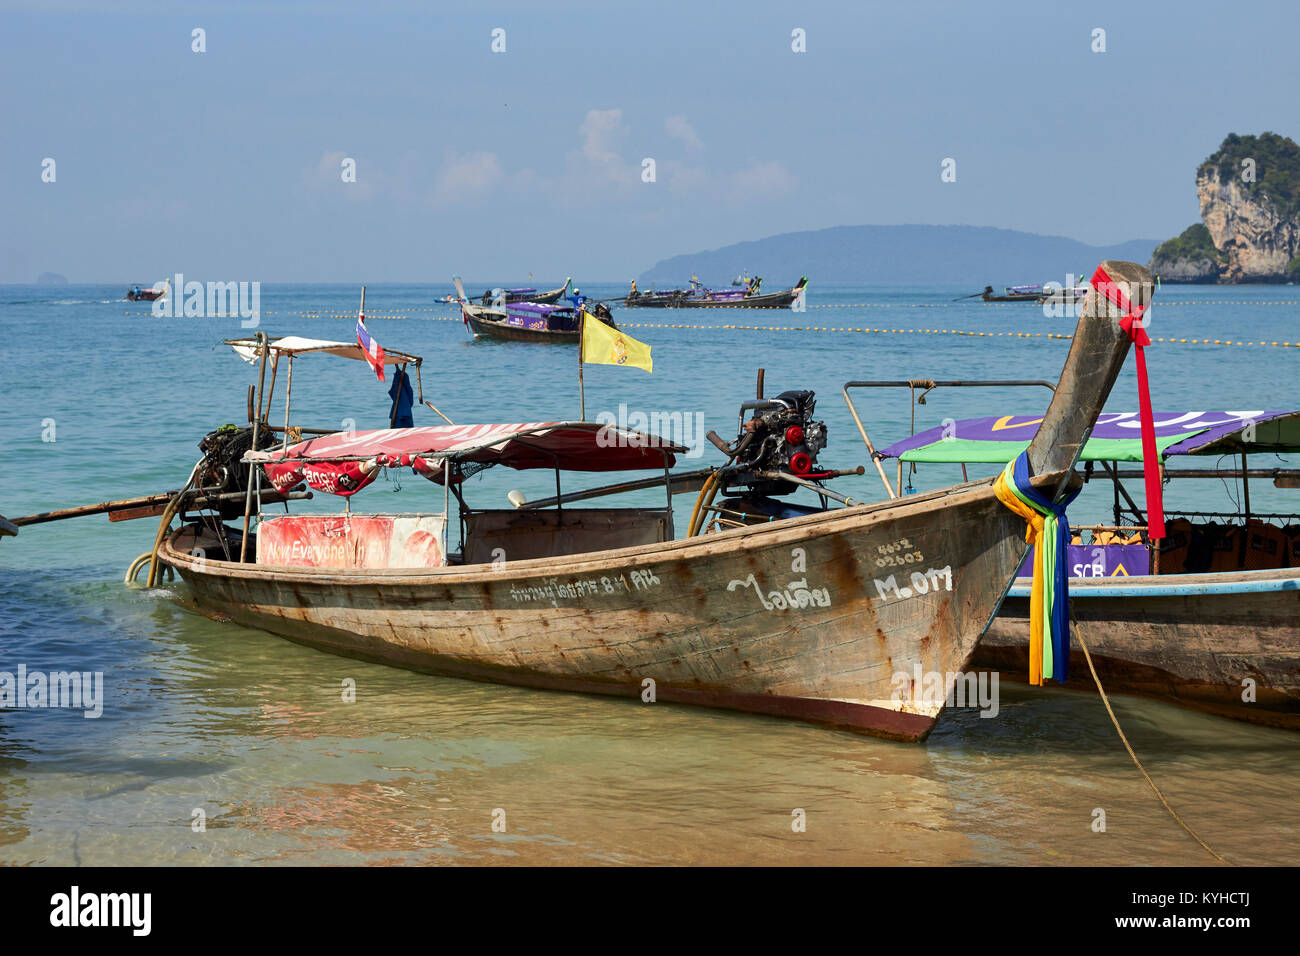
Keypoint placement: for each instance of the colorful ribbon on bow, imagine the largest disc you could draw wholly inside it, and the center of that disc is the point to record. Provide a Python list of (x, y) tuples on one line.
[(1133, 325), (1048, 530)]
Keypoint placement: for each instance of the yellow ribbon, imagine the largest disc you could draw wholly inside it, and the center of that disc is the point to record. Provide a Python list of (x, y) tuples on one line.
[(1033, 533)]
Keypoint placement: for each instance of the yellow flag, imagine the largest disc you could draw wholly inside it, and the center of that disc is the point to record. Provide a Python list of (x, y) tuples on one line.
[(604, 345)]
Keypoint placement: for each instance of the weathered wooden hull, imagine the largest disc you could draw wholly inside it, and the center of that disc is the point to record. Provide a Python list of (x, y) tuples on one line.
[(771, 300), (485, 328), (784, 619), (648, 300), (1189, 639), (548, 298), (489, 329), (541, 298), (688, 300)]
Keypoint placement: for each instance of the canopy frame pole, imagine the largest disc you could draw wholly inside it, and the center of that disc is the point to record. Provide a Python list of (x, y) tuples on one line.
[(446, 505), (253, 469), (1121, 490), (559, 498), (871, 449), (930, 385), (1245, 487), (288, 398), (1114, 480), (438, 413), (668, 492), (270, 392)]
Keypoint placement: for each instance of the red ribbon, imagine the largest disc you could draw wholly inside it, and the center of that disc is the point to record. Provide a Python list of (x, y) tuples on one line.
[(1132, 324)]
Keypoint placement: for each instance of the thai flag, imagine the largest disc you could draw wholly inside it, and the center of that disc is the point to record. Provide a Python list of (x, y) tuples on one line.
[(373, 350)]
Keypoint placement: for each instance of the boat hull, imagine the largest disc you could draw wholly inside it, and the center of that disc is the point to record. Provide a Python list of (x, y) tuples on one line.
[(488, 329), (144, 295), (491, 329), (785, 619), (650, 300), (773, 300), (541, 298), (688, 300), (1190, 639), (548, 298)]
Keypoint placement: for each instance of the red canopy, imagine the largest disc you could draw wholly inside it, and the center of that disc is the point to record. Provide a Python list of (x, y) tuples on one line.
[(571, 446)]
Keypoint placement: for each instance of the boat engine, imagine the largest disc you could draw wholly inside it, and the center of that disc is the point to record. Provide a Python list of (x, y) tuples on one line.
[(775, 452), (781, 437), (222, 468)]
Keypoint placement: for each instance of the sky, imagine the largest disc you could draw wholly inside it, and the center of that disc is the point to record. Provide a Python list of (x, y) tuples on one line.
[(228, 164)]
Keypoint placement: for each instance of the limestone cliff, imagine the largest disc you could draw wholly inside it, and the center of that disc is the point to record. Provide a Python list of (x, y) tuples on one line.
[(1249, 192), (1192, 257)]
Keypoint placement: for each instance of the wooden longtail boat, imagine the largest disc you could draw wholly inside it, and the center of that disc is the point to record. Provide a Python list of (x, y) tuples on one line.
[(1013, 294), (529, 322), (698, 297), (1227, 643), (665, 299), (497, 297), (747, 300), (813, 616), (137, 294), (1069, 296), (1207, 618)]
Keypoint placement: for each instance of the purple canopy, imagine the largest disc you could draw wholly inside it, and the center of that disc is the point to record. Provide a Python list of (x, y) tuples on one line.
[(1116, 437)]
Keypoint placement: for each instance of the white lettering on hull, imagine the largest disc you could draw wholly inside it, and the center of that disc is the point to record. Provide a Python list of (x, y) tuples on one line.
[(553, 590), (797, 594), (922, 582)]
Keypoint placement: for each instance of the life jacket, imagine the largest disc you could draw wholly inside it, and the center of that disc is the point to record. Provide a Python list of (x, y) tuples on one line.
[(1266, 547), (1175, 546)]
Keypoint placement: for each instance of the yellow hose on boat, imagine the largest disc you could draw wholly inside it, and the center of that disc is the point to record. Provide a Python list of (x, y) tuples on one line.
[(702, 503), (134, 567), (168, 513)]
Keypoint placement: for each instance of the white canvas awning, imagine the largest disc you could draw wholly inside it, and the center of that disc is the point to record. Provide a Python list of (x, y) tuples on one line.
[(247, 349)]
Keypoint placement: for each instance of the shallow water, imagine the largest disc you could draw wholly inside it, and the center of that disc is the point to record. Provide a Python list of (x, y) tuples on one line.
[(254, 731)]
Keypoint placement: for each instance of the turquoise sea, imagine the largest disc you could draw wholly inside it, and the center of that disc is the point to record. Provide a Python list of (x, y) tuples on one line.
[(101, 400)]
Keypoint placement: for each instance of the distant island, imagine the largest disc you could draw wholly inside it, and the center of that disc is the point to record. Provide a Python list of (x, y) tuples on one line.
[(1249, 190), (51, 278), (898, 255)]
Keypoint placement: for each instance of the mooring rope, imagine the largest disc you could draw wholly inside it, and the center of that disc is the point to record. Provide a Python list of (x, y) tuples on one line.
[(1120, 730)]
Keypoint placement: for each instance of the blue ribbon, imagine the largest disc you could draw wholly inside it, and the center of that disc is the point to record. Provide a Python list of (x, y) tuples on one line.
[(1052, 511)]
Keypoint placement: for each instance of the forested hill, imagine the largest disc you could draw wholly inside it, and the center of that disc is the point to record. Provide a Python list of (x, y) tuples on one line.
[(897, 255)]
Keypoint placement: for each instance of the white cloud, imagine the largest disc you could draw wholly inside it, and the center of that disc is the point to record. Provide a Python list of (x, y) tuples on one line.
[(602, 130), (679, 127), (465, 178)]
